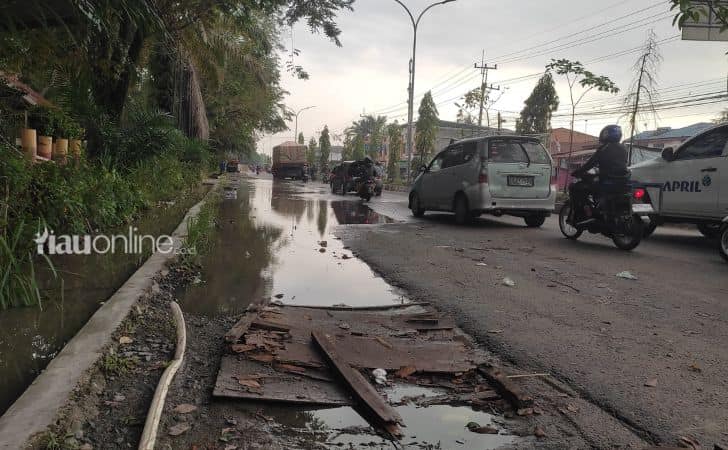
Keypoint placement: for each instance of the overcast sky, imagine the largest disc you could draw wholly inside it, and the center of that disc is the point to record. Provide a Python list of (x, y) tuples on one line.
[(369, 73)]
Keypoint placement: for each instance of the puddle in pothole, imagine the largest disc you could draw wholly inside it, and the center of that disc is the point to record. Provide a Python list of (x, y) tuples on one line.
[(274, 240), (433, 427)]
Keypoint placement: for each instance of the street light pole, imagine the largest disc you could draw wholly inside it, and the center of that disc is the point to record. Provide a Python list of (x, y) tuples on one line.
[(295, 133), (411, 88)]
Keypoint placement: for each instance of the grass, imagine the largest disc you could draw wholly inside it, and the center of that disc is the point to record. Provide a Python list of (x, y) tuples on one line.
[(18, 284), (52, 441), (200, 230), (115, 364)]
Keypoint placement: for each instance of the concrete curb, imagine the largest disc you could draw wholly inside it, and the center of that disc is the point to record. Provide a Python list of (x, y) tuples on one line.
[(38, 407)]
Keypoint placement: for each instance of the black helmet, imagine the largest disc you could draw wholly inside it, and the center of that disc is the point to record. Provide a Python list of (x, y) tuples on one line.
[(610, 134)]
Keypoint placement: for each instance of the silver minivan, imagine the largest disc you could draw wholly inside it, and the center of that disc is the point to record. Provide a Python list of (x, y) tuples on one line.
[(496, 175)]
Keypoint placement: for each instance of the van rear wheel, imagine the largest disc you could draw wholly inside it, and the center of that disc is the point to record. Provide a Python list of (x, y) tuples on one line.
[(535, 220), (724, 242), (462, 211)]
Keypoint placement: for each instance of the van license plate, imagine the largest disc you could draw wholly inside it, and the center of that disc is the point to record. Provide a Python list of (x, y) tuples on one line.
[(515, 180)]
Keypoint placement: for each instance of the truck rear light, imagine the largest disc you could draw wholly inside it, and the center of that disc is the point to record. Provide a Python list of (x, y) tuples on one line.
[(638, 194)]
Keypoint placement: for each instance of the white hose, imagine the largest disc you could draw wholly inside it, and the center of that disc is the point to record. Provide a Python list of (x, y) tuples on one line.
[(151, 425)]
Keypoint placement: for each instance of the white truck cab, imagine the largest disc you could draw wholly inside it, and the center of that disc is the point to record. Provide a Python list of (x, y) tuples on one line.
[(689, 184)]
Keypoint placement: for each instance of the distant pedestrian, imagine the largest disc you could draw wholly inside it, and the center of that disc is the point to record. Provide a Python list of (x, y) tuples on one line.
[(223, 166)]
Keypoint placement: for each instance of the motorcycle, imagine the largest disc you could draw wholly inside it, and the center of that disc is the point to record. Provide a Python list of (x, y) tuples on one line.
[(365, 188), (619, 215)]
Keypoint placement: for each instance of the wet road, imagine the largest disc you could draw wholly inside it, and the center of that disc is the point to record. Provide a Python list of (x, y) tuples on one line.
[(652, 351)]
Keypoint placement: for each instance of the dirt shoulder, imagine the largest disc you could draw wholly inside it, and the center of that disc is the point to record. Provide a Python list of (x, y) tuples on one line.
[(644, 351)]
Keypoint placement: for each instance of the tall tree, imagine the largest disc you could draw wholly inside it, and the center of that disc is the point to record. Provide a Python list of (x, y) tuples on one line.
[(311, 152), (539, 107), (394, 135), (325, 147), (301, 140), (576, 74), (643, 94), (427, 127)]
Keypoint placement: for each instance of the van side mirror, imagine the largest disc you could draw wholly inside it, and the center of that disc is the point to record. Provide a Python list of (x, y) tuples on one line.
[(423, 168), (668, 154)]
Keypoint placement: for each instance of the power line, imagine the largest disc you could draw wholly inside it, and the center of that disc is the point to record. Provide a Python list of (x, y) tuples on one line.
[(460, 73)]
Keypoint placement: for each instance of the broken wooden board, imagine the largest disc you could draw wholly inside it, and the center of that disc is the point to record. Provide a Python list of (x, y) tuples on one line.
[(506, 387), (241, 327), (370, 353), (362, 390), (276, 386)]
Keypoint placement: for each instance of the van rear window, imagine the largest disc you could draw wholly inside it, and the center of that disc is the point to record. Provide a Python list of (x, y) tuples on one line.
[(515, 151), (536, 153)]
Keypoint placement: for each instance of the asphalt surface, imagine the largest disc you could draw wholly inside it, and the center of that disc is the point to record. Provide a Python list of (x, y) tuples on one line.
[(652, 352)]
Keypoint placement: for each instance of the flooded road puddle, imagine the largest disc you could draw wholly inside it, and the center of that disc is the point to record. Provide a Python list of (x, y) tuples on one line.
[(433, 427), (275, 242)]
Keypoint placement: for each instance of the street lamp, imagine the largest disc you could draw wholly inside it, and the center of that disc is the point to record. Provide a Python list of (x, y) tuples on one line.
[(410, 112), (295, 134)]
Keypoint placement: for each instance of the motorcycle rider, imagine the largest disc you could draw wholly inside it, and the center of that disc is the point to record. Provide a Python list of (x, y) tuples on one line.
[(611, 160)]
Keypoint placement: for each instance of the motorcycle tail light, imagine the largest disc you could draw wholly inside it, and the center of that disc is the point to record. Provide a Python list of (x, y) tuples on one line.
[(638, 194)]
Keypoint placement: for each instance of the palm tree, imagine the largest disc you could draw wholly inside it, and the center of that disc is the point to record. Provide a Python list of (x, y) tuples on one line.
[(369, 128)]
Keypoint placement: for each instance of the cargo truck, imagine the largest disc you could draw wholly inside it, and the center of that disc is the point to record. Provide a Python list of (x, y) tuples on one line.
[(289, 161)]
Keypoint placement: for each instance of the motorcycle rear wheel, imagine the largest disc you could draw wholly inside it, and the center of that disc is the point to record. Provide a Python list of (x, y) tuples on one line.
[(568, 230), (632, 236)]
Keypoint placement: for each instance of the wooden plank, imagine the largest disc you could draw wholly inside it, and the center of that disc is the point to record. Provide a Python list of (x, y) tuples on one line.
[(270, 326), (359, 386), (505, 387), (369, 353), (240, 328), (312, 388)]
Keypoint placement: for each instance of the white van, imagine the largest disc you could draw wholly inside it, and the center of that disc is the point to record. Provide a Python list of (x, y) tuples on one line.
[(496, 175), (690, 182)]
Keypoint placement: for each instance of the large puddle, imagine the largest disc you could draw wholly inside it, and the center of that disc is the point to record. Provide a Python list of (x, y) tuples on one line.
[(274, 241), (31, 337)]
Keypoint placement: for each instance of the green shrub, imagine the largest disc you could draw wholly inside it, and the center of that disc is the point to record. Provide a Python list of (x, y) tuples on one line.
[(143, 162)]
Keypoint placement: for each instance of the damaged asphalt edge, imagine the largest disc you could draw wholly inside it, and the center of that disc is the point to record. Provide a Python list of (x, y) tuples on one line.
[(37, 408), (497, 349)]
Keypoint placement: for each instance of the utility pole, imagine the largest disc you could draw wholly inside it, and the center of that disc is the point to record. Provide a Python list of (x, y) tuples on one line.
[(484, 68), (411, 84), (500, 121)]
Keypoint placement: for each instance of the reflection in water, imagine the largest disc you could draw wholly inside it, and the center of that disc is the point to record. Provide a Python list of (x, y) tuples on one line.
[(30, 337), (234, 269), (268, 245), (442, 424)]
